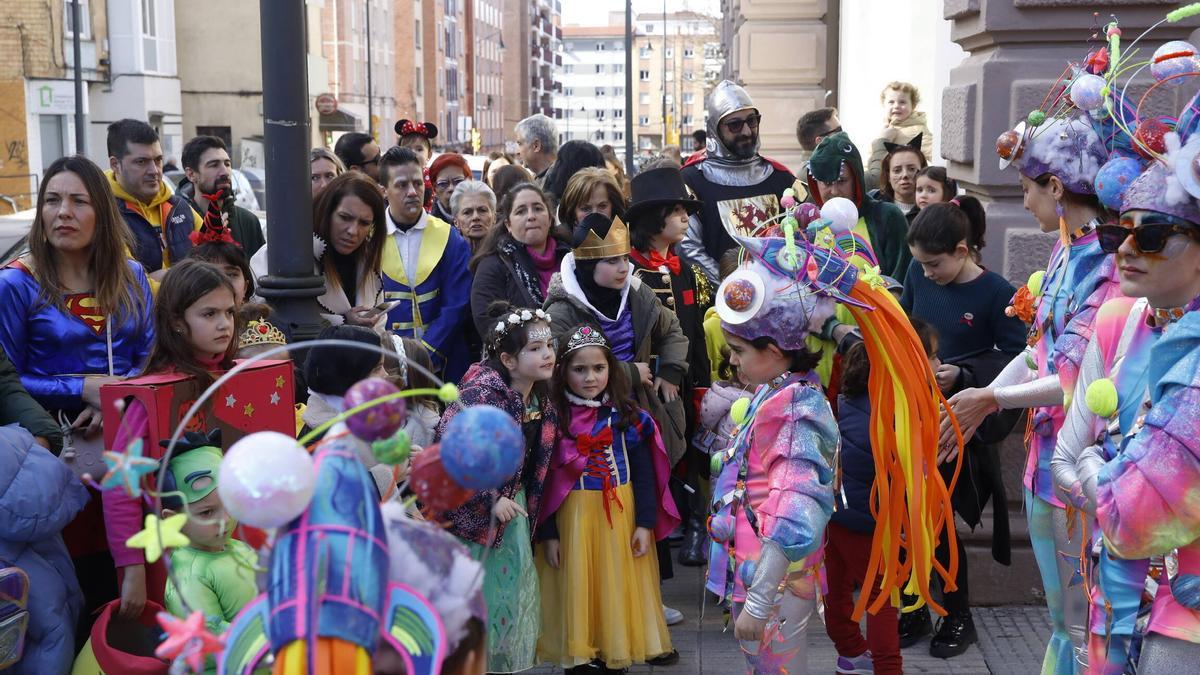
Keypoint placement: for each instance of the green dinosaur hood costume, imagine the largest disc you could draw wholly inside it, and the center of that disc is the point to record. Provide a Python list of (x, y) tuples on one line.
[(886, 225)]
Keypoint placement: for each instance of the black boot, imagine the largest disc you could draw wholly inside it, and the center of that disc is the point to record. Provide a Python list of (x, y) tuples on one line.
[(694, 551), (954, 635), (914, 625)]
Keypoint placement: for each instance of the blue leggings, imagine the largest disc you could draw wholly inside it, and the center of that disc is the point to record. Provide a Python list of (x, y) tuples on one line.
[(1068, 604)]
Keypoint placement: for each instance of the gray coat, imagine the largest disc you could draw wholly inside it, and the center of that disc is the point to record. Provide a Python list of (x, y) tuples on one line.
[(656, 332)]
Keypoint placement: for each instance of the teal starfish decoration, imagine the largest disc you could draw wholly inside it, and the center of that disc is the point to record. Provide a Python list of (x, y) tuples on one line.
[(127, 468)]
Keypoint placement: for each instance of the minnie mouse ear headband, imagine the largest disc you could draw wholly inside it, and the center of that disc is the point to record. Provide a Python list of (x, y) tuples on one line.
[(913, 143), (408, 127)]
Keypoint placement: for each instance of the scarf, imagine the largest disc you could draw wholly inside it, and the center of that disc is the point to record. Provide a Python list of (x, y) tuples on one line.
[(656, 261), (347, 272), (545, 263), (607, 301)]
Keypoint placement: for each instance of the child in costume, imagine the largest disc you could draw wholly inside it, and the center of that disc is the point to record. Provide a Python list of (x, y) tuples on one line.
[(424, 413), (195, 321), (214, 573), (606, 501), (774, 493), (440, 569), (966, 304), (513, 377), (216, 246), (658, 220), (1058, 161)]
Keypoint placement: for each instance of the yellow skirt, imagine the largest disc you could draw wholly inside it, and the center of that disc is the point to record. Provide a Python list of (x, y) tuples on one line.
[(601, 603)]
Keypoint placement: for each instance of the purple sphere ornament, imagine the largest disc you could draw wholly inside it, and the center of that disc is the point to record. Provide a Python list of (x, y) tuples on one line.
[(483, 447), (1087, 92), (721, 527), (380, 420), (1114, 178)]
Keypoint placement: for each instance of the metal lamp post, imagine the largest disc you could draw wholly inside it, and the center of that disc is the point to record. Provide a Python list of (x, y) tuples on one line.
[(290, 284)]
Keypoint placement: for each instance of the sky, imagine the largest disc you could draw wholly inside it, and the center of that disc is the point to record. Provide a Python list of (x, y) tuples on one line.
[(595, 12)]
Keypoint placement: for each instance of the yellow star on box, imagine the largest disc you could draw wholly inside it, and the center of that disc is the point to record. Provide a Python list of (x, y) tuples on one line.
[(248, 411), (159, 535), (279, 382)]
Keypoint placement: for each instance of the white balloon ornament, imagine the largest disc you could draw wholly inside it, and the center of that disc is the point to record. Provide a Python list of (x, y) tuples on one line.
[(1172, 61), (841, 213), (1087, 92), (266, 480)]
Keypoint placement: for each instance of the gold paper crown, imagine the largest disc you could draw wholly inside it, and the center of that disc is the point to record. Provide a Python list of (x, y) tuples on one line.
[(615, 244), (260, 333)]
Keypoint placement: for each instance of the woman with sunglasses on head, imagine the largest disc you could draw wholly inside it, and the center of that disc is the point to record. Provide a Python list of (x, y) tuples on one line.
[(1058, 161)]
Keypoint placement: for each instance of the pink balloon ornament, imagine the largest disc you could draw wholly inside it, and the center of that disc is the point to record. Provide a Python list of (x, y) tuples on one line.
[(380, 420), (266, 479)]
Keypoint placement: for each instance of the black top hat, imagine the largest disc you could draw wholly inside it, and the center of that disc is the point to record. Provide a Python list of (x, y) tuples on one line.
[(660, 187)]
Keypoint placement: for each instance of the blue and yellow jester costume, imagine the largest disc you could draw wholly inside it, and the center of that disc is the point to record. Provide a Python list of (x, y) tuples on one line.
[(435, 304)]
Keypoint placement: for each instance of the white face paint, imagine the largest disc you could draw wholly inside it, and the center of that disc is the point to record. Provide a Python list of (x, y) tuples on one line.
[(540, 334)]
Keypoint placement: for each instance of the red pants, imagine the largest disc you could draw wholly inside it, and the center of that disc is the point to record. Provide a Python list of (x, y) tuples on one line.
[(846, 555)]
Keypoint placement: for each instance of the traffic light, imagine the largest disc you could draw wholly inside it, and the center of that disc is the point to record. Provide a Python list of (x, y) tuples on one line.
[(476, 141)]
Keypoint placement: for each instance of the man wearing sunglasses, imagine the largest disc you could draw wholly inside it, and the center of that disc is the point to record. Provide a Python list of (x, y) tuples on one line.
[(739, 187)]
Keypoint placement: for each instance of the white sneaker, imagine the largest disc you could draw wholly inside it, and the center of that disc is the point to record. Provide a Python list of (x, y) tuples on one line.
[(672, 616)]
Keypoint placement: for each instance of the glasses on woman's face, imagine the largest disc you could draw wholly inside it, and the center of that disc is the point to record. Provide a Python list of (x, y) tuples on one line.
[(449, 182), (1149, 236), (736, 126)]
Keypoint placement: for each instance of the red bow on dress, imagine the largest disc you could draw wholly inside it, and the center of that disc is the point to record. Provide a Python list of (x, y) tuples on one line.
[(594, 449), (655, 260), (410, 127)]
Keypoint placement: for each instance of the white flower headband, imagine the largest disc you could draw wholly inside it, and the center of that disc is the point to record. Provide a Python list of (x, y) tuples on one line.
[(516, 320)]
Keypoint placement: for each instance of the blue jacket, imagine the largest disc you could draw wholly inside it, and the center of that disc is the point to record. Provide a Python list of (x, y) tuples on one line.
[(53, 351), (857, 465), (38, 497), (435, 306)]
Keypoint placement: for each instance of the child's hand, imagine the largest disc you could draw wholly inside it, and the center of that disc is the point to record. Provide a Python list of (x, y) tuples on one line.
[(642, 541), (947, 375), (551, 547), (133, 592), (644, 373), (749, 628), (506, 509), (666, 391)]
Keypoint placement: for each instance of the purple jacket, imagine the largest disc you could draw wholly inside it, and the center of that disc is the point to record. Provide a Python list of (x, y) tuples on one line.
[(484, 386)]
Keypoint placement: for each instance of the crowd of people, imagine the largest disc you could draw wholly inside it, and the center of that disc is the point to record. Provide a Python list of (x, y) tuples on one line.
[(715, 355)]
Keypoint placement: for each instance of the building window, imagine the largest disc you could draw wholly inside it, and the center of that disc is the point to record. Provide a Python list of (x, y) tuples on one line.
[(618, 67), (417, 41), (600, 46), (688, 76), (600, 91), (644, 99), (618, 113), (648, 28), (600, 135), (689, 98), (687, 120), (568, 91), (150, 35), (670, 99), (670, 76), (420, 82), (670, 52), (644, 52), (599, 67), (618, 46), (85, 20), (645, 143), (644, 75), (618, 135), (644, 121), (689, 52), (569, 68), (223, 133), (619, 91), (598, 114)]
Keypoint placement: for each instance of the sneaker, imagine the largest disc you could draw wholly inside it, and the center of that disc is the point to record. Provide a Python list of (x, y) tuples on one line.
[(672, 616), (914, 625), (955, 634), (859, 665)]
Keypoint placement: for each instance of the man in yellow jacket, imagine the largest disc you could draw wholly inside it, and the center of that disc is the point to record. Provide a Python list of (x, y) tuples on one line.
[(160, 220)]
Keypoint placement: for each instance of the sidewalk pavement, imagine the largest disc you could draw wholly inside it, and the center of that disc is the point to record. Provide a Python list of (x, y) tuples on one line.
[(1012, 640)]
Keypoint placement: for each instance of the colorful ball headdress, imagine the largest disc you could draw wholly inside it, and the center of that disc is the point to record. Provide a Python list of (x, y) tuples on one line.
[(785, 290)]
